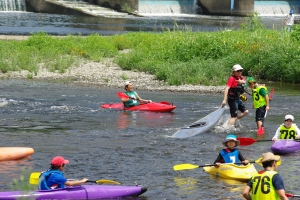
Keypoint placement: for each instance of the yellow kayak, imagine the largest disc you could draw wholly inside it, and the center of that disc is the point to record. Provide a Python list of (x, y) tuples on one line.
[(232, 171)]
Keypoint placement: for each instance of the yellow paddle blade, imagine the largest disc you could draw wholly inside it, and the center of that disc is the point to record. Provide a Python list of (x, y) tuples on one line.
[(185, 166), (34, 178), (258, 161), (107, 182)]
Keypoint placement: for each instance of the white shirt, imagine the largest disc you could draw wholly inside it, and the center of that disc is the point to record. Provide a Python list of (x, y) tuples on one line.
[(289, 19), (277, 134)]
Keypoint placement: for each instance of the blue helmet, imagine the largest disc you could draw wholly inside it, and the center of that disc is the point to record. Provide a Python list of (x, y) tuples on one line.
[(292, 11)]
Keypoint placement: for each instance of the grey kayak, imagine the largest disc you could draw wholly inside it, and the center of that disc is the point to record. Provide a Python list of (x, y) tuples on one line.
[(202, 125)]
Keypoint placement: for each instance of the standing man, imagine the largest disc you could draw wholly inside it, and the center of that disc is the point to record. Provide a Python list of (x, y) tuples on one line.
[(266, 184), (234, 88), (289, 21), (261, 101)]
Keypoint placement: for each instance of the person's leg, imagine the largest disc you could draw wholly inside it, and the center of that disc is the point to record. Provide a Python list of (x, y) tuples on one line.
[(241, 107), (259, 116), (233, 111)]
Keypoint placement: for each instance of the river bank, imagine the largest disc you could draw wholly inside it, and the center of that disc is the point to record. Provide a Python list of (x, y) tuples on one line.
[(104, 74)]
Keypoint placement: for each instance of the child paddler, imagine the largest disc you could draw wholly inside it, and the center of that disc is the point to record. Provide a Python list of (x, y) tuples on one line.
[(134, 99), (230, 154), (287, 130), (54, 179), (261, 101)]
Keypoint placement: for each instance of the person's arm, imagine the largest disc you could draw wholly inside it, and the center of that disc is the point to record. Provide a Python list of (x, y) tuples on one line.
[(247, 189), (225, 95), (276, 136), (142, 100), (279, 186), (242, 159), (265, 94), (79, 182), (297, 131), (219, 160)]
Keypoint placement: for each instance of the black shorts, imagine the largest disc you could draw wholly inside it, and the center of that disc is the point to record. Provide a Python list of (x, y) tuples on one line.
[(235, 105), (260, 114)]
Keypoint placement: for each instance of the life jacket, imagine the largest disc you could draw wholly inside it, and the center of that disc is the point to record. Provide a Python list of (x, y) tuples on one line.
[(258, 100), (234, 93), (287, 133), (131, 102), (230, 156), (44, 177), (262, 186)]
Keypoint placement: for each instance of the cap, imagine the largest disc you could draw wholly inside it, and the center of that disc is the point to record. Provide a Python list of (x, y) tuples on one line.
[(58, 161), (292, 11), (268, 157), (127, 83), (289, 117), (236, 67), (249, 80), (231, 137)]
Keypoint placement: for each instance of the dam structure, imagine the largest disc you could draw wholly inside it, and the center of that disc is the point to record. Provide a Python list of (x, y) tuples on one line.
[(120, 8)]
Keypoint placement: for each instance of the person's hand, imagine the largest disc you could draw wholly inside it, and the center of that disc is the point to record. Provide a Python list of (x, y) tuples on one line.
[(223, 102), (149, 101), (268, 108), (274, 139), (84, 180), (297, 136), (245, 162), (217, 164)]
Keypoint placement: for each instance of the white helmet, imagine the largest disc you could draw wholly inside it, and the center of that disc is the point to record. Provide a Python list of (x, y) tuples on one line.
[(289, 117)]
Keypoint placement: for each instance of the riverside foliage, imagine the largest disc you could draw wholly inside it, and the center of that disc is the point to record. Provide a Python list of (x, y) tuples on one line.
[(177, 56)]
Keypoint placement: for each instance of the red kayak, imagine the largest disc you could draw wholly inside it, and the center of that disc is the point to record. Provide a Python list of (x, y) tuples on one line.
[(153, 107)]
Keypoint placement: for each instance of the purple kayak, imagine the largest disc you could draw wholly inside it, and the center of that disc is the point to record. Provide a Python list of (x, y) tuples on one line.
[(77, 192), (285, 146)]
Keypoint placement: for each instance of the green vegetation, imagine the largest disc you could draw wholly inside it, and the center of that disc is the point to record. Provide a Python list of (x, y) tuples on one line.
[(177, 57), (22, 184)]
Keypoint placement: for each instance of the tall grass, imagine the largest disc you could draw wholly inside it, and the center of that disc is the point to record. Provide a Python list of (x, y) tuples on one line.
[(177, 57)]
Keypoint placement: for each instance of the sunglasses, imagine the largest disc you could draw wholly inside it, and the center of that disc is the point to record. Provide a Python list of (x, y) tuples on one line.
[(239, 70)]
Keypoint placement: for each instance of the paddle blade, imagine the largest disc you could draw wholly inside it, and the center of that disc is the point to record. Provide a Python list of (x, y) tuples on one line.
[(107, 182), (122, 95), (246, 141), (34, 178), (271, 95), (289, 195), (185, 167)]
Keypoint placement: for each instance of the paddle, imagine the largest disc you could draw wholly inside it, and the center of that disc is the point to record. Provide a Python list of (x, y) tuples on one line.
[(248, 141), (191, 166), (292, 195), (122, 95), (34, 180)]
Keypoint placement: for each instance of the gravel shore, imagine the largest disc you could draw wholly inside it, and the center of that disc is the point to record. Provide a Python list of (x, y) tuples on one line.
[(108, 75)]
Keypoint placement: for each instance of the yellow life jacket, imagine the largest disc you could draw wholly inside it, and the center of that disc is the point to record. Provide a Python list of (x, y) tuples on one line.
[(258, 100), (288, 133), (262, 186)]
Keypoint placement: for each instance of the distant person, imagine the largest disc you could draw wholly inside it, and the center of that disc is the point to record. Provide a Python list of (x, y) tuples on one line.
[(287, 130), (230, 154), (266, 184), (133, 98), (289, 21), (234, 88), (261, 101), (53, 178)]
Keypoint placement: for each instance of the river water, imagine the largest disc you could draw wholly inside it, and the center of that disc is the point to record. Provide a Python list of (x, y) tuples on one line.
[(24, 23), (132, 147)]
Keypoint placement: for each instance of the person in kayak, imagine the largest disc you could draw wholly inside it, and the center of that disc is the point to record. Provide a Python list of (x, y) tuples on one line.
[(234, 88), (287, 130), (134, 99), (261, 101), (266, 184), (54, 179), (230, 154)]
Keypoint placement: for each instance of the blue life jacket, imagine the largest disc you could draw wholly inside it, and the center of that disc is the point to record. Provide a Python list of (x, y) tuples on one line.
[(44, 177), (230, 156)]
